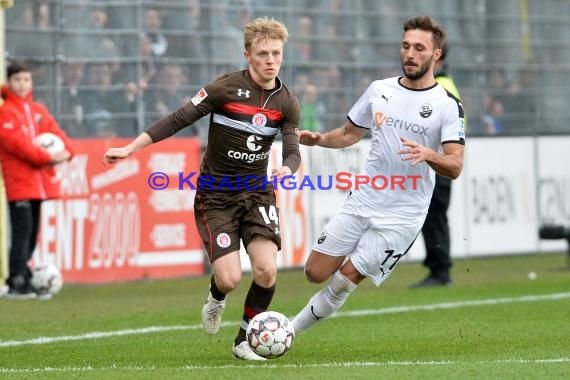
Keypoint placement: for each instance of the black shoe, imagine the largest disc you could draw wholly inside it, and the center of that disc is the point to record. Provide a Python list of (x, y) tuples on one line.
[(21, 294), (430, 281)]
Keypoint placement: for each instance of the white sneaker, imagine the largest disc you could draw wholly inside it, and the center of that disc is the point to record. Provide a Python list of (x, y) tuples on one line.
[(244, 352), (212, 314), (44, 296)]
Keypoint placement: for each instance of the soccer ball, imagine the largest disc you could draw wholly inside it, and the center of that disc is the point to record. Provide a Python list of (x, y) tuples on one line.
[(270, 334), (47, 279), (50, 142)]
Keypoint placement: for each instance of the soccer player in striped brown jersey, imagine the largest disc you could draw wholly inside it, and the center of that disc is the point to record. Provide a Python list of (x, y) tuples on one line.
[(233, 201)]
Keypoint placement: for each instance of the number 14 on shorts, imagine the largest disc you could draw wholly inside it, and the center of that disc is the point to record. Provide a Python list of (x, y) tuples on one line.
[(270, 215)]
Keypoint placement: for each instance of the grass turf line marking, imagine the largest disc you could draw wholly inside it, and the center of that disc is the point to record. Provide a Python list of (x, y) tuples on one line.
[(453, 305), (273, 366), (355, 313)]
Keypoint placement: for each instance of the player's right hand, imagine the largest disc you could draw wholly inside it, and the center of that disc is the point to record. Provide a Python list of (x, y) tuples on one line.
[(309, 138), (113, 155)]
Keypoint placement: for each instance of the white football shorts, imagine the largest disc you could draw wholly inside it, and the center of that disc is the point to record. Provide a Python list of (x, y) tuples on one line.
[(375, 245)]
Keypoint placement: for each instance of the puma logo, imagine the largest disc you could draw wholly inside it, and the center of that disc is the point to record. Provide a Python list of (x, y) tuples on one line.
[(315, 315), (385, 98), (322, 237)]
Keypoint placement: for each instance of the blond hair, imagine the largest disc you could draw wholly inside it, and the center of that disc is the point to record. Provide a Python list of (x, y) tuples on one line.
[(264, 28)]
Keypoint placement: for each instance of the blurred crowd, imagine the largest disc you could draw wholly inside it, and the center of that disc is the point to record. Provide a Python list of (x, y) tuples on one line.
[(110, 68)]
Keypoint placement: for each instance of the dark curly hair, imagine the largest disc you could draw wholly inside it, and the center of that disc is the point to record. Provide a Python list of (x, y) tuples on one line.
[(427, 24)]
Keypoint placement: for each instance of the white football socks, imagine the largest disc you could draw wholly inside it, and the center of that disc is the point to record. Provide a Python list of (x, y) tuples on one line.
[(325, 302)]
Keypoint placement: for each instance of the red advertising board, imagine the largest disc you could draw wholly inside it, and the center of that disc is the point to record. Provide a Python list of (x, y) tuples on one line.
[(112, 225)]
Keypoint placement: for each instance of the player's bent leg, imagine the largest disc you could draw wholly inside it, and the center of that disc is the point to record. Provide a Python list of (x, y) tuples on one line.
[(320, 266), (324, 303), (212, 312), (227, 270), (226, 277), (262, 253)]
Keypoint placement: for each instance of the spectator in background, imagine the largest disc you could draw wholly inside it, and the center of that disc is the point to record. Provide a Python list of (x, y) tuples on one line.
[(521, 103), (73, 16), (170, 84), (30, 19), (302, 46), (388, 27), (99, 44), (148, 65), (311, 108), (34, 14), (186, 17), (492, 118), (98, 18), (436, 226), (28, 172), (110, 109), (171, 95), (324, 30), (153, 35), (71, 107), (153, 43), (92, 39), (333, 49), (331, 84), (228, 47), (493, 103)]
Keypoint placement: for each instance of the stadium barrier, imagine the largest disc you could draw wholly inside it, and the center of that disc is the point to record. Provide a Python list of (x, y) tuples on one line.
[(111, 226)]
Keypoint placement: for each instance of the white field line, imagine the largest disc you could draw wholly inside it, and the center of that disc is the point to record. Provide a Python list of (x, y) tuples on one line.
[(273, 366), (340, 314)]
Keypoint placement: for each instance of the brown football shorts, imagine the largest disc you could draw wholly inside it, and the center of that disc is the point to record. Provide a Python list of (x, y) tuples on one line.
[(223, 218)]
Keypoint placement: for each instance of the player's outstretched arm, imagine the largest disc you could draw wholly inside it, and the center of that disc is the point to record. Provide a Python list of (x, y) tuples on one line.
[(347, 135), (309, 138), (112, 155)]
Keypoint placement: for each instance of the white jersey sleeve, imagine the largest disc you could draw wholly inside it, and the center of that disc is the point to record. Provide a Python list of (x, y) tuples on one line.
[(361, 112), (453, 123)]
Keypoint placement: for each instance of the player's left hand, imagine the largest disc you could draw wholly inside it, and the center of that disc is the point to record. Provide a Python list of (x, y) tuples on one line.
[(281, 172), (414, 151)]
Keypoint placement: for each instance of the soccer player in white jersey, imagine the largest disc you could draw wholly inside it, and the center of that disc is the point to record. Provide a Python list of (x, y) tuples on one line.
[(417, 130)]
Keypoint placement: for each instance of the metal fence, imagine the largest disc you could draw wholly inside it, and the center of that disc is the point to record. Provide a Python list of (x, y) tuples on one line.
[(112, 67)]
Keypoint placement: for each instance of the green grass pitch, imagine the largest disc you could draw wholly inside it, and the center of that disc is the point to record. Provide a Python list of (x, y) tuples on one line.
[(493, 323)]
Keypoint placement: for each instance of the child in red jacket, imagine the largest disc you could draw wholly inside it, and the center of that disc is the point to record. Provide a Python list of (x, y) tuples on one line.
[(28, 171)]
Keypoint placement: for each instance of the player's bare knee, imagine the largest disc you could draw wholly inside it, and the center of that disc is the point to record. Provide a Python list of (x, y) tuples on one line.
[(227, 283), (265, 276), (314, 275)]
